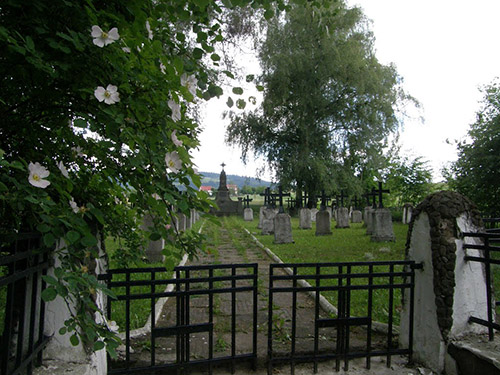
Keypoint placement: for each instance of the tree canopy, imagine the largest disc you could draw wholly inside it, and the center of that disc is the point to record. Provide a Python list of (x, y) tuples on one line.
[(97, 124), (476, 172), (328, 103)]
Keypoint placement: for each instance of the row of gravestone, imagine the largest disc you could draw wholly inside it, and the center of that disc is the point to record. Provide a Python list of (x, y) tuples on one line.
[(181, 223), (378, 222)]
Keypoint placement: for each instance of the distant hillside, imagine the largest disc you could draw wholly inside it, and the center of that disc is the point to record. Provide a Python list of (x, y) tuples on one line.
[(212, 179)]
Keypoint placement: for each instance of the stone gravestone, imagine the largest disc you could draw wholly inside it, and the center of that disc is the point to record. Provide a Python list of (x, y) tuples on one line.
[(247, 211), (369, 210), (323, 223), (342, 216), (267, 197), (407, 212), (282, 222), (305, 218), (448, 289), (154, 249), (382, 220), (356, 215)]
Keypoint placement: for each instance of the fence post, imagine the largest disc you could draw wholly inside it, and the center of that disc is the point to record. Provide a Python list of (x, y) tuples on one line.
[(448, 289)]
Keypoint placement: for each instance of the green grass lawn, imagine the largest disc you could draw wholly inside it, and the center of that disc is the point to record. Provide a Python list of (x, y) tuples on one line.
[(344, 245)]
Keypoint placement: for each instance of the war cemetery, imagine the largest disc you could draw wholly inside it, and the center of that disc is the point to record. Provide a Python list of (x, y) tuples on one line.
[(119, 256)]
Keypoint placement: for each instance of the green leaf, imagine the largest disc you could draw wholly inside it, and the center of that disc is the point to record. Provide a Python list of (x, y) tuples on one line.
[(197, 53), (260, 88), (49, 239), (154, 236), (72, 236), (49, 279), (74, 340), (98, 345), (49, 294), (230, 102), (215, 57), (80, 123), (241, 104), (250, 77), (43, 228), (63, 331), (237, 90), (89, 241), (268, 14)]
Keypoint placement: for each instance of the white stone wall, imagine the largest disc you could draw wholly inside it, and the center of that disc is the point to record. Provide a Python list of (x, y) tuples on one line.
[(60, 354), (428, 344), (470, 286)]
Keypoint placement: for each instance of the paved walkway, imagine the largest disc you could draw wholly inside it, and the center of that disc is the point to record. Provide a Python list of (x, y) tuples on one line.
[(240, 248)]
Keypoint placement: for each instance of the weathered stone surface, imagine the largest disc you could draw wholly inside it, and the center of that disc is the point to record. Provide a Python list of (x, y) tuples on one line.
[(248, 214), (407, 212), (282, 228), (369, 220), (323, 224), (356, 216), (382, 225), (342, 217), (268, 221), (261, 216), (313, 211), (305, 218), (448, 289)]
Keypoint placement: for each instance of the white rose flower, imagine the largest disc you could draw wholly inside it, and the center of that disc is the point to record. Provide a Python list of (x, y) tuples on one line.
[(190, 82), (148, 28), (173, 161), (74, 206), (109, 94), (102, 38), (63, 169), (175, 139), (176, 110), (37, 175)]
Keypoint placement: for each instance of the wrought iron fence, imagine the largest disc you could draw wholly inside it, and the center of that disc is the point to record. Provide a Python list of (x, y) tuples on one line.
[(191, 284), (489, 255), (343, 281), (22, 264)]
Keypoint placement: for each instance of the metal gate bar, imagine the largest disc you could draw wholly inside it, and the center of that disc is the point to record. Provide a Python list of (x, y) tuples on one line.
[(346, 283), (182, 289)]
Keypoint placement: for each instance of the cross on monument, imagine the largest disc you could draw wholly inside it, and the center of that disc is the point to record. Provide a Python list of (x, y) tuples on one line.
[(223, 165), (341, 196), (379, 192), (267, 197), (247, 201), (356, 202), (324, 200), (280, 196)]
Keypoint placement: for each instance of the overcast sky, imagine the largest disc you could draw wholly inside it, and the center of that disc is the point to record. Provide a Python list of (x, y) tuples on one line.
[(444, 50)]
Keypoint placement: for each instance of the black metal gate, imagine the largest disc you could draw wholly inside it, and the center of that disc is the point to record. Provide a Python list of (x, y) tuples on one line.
[(23, 262), (373, 282), (193, 287)]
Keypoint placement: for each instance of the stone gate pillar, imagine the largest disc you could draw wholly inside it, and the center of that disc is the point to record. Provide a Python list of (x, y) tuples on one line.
[(448, 290)]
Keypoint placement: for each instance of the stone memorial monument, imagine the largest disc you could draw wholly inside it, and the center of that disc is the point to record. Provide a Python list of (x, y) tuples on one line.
[(342, 216), (323, 223), (282, 222), (382, 220), (305, 218), (247, 211), (356, 215), (226, 206)]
